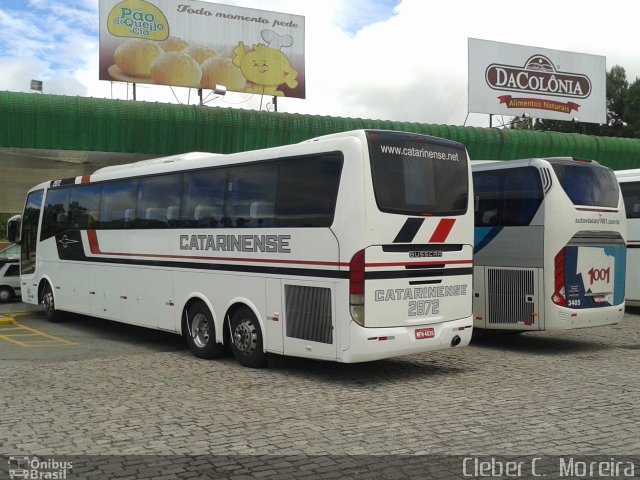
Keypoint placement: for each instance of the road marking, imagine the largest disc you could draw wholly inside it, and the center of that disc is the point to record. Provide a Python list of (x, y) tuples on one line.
[(9, 332)]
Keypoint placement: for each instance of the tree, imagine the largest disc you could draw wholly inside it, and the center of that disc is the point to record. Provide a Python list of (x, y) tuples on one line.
[(617, 87), (623, 112), (631, 111)]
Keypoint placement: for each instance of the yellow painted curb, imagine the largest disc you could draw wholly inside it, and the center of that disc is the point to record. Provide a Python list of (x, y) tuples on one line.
[(6, 321)]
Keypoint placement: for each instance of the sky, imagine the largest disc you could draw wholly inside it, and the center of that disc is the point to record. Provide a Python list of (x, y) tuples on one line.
[(399, 60)]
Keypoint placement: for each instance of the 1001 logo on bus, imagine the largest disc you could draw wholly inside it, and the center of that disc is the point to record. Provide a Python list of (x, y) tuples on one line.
[(599, 274)]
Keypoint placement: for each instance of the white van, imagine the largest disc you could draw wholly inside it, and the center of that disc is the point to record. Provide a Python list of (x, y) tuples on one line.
[(9, 280)]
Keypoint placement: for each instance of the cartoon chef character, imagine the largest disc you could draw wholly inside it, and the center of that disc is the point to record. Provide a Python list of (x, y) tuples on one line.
[(265, 65)]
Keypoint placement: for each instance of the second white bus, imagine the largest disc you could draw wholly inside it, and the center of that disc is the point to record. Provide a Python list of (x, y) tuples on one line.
[(550, 250), (350, 247)]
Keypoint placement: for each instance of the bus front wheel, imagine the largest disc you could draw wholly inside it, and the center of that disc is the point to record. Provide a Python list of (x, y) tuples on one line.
[(246, 339), (48, 302), (201, 334), (6, 294)]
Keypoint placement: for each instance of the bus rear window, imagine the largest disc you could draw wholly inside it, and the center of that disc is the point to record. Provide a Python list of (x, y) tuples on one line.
[(413, 175), (588, 184)]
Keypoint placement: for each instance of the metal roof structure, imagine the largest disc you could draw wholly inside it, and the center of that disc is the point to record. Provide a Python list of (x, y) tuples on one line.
[(53, 122)]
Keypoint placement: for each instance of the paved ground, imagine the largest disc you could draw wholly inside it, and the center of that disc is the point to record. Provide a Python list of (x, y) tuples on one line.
[(120, 390)]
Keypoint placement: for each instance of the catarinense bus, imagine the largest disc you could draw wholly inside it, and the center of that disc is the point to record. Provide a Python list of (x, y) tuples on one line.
[(349, 247)]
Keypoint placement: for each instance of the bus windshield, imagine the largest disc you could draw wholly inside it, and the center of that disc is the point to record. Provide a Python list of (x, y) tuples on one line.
[(588, 184), (416, 175)]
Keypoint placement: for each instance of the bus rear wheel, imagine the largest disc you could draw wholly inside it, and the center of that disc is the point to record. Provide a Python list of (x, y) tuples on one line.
[(48, 302), (201, 333), (246, 339)]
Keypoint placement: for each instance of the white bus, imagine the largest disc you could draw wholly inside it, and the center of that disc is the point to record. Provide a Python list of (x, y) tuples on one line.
[(550, 248), (350, 247), (629, 181)]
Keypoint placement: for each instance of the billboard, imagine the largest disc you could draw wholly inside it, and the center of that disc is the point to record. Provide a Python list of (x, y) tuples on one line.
[(507, 79), (200, 45)]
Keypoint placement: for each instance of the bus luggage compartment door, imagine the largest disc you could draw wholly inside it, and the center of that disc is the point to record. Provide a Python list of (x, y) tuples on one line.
[(309, 319), (408, 285), (512, 298)]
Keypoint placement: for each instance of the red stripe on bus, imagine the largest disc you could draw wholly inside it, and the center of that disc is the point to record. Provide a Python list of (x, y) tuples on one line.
[(93, 242), (442, 230), (95, 249)]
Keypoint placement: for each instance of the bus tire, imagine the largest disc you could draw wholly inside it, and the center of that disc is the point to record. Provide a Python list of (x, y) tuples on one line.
[(200, 332), (246, 339), (48, 302), (6, 294)]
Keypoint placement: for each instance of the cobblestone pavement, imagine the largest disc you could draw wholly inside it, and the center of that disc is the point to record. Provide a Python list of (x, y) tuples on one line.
[(559, 393)]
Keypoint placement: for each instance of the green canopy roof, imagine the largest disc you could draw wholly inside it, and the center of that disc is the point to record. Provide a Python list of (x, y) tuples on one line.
[(31, 120)]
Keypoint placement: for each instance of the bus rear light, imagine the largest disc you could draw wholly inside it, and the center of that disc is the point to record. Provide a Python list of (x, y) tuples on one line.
[(558, 299), (356, 288), (356, 274), (559, 294)]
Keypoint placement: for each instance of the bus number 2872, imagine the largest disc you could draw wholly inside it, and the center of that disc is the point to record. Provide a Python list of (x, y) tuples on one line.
[(423, 307)]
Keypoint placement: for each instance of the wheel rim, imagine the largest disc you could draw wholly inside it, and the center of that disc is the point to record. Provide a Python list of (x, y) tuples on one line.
[(200, 330), (245, 337), (5, 295), (47, 301)]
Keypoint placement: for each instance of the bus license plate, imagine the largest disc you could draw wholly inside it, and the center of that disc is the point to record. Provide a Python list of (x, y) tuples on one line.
[(422, 333)]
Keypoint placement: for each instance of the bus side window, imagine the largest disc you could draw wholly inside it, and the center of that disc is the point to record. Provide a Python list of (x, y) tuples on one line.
[(262, 214), (156, 217), (247, 185), (129, 217), (307, 191), (56, 213), (84, 202), (206, 216), (154, 197), (173, 216), (118, 197), (202, 198), (523, 195), (631, 197), (490, 217), (488, 191)]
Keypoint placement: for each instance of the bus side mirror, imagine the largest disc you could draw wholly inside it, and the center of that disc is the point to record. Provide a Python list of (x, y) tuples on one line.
[(13, 228)]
